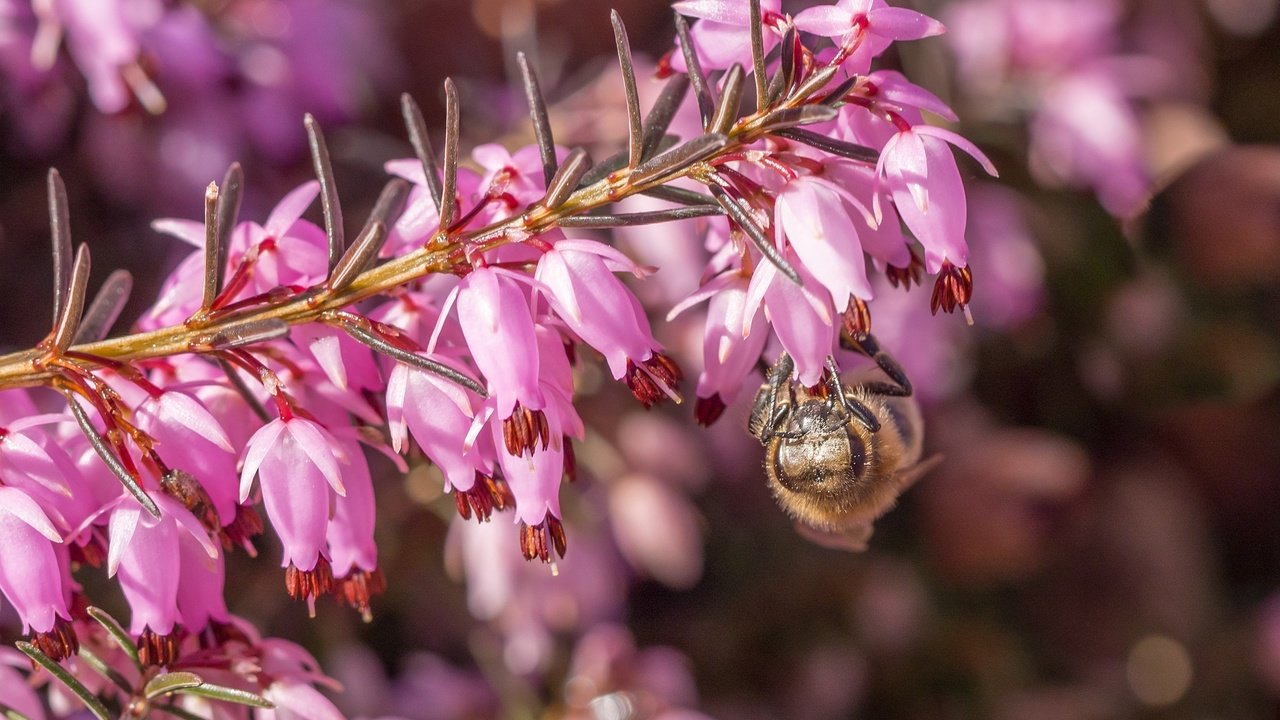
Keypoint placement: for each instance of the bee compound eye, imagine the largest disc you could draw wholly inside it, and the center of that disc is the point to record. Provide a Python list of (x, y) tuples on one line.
[(857, 460)]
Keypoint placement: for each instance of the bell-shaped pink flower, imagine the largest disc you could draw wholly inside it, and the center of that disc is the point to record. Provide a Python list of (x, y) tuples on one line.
[(103, 40), (535, 479), (730, 347), (496, 322), (881, 23), (721, 38), (595, 305), (927, 190), (350, 532), (295, 700), (516, 173), (36, 462), (286, 251), (439, 413), (803, 321), (201, 583), (297, 462), (30, 577), (813, 215), (189, 438), (145, 556), (882, 240), (348, 364)]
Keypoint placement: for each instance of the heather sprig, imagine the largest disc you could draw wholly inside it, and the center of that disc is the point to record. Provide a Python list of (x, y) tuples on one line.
[(471, 287)]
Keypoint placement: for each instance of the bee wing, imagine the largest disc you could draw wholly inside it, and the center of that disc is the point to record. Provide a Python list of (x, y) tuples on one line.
[(908, 476), (853, 537)]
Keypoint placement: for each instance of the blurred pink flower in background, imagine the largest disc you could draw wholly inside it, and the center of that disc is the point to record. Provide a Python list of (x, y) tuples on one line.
[(1060, 62)]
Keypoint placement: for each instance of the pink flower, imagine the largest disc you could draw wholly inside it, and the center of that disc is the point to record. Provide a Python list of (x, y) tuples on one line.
[(189, 438), (657, 530), (285, 251), (1088, 134), (535, 480), (578, 276), (30, 576), (439, 413), (15, 692), (866, 27), (495, 318), (730, 346), (103, 42), (420, 218), (297, 461), (927, 189), (721, 39), (296, 700), (145, 556), (803, 321), (812, 214), (348, 364), (201, 583)]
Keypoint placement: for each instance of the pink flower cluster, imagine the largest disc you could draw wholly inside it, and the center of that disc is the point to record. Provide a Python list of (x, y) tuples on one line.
[(182, 90), (486, 395), (1063, 58), (829, 214)]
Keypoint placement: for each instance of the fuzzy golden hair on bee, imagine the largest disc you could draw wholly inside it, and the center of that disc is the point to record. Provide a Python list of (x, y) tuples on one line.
[(838, 456)]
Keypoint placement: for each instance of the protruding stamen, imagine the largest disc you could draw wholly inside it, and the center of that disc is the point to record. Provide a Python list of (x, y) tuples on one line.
[(654, 379), (543, 541), (59, 642), (157, 650), (856, 319), (953, 289), (240, 532), (912, 273), (570, 459), (485, 496), (309, 584), (357, 589), (524, 430)]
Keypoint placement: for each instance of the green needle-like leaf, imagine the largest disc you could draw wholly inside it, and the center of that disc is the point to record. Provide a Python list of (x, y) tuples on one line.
[(228, 694), (117, 633), (91, 701), (171, 682)]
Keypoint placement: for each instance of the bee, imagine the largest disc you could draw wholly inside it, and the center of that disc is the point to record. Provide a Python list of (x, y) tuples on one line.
[(838, 457)]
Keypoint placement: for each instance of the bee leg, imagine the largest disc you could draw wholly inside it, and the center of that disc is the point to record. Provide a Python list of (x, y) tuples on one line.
[(852, 406), (867, 345), (769, 413)]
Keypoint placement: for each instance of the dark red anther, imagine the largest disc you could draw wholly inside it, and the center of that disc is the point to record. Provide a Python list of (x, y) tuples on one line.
[(952, 289)]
